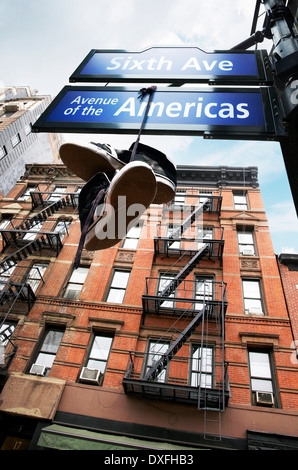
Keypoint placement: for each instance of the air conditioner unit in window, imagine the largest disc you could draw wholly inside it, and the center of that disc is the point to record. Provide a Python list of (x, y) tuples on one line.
[(247, 252), (90, 375), (264, 398), (37, 369)]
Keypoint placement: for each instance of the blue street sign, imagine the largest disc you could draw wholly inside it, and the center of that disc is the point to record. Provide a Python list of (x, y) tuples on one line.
[(228, 113), (175, 65)]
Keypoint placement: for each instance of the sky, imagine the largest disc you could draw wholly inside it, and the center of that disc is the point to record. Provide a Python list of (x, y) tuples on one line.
[(44, 41)]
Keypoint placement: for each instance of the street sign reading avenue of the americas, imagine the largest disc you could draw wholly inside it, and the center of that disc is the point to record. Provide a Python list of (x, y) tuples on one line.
[(175, 65), (224, 112)]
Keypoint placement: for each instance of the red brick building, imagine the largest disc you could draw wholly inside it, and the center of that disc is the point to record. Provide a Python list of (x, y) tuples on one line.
[(177, 338)]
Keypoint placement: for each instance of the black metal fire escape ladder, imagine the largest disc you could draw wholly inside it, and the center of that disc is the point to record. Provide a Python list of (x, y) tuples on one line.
[(163, 361)]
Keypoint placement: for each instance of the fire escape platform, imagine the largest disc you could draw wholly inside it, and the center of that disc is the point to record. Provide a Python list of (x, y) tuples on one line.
[(175, 387)]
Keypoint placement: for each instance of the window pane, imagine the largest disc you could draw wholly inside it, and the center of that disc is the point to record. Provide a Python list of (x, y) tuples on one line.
[(73, 291), (259, 364), (79, 275), (101, 347), (245, 238), (251, 289), (156, 350), (261, 385), (253, 305), (45, 360), (116, 296), (120, 279), (52, 341), (98, 365)]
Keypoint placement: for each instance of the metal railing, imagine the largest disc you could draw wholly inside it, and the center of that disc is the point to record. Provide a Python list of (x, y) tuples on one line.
[(180, 381), (189, 296)]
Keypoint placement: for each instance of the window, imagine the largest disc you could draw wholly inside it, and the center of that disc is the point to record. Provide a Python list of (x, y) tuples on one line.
[(26, 194), (252, 296), (57, 193), (75, 283), (15, 140), (240, 201), (155, 350), (246, 242), (180, 197), (76, 195), (5, 221), (36, 274), (118, 286), (28, 128), (132, 238), (171, 231), (3, 152), (201, 373), (48, 350), (62, 227), (260, 369), (164, 281), (6, 330), (31, 235), (203, 292), (5, 275), (203, 234), (99, 353)]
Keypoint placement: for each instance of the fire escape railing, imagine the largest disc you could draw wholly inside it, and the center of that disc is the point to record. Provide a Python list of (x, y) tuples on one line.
[(198, 305)]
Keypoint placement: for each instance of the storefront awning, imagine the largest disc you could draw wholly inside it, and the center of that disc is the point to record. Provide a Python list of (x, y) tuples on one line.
[(67, 438)]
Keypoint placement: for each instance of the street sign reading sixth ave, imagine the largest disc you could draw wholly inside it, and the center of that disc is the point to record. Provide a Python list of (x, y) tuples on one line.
[(175, 65), (221, 112)]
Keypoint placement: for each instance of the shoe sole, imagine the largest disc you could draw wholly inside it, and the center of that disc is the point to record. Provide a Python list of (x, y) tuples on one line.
[(85, 162), (165, 190), (137, 182)]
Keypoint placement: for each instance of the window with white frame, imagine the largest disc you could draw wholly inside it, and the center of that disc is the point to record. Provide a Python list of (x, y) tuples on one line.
[(6, 330), (26, 194), (173, 230), (165, 280), (3, 152), (118, 286), (132, 238), (57, 193), (261, 377), (35, 275), (5, 221), (49, 347), (203, 292), (201, 373), (76, 282), (156, 349), (28, 128), (31, 234), (180, 197), (246, 242), (240, 200), (203, 234), (5, 275), (62, 228), (99, 353), (15, 140), (252, 296)]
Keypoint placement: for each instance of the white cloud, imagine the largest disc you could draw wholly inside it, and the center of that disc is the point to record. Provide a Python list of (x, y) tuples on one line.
[(282, 218)]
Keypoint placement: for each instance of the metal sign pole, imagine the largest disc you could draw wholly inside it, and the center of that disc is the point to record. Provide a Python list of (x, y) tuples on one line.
[(284, 61)]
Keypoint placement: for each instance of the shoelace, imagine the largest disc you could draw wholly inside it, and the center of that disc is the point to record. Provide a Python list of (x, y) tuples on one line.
[(100, 196), (143, 92)]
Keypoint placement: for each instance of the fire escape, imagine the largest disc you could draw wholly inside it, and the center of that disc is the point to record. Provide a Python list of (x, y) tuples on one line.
[(198, 306), (17, 283)]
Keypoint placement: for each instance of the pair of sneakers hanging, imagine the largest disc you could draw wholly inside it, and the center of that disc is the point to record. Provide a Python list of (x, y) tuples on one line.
[(128, 187)]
